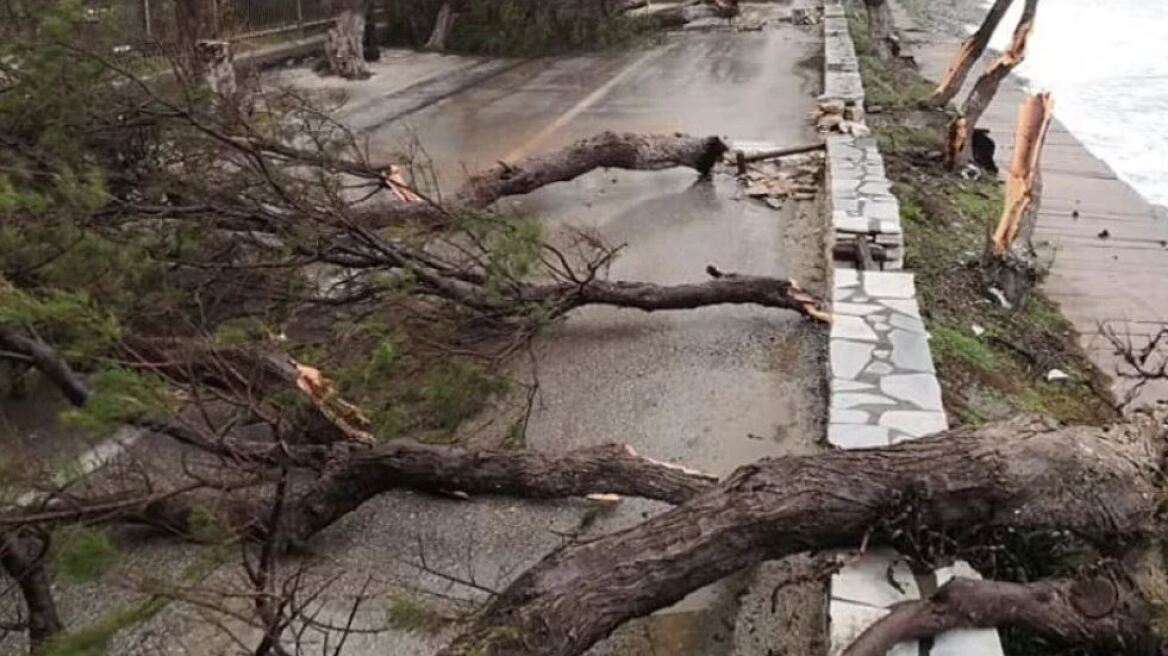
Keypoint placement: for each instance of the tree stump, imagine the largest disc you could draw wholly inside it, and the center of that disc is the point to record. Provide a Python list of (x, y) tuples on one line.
[(1010, 261), (344, 48)]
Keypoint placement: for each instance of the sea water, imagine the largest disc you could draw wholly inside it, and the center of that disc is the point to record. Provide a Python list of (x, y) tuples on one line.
[(1106, 63)]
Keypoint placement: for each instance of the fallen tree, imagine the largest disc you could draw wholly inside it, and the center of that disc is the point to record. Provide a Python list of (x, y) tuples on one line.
[(1096, 484), (232, 268)]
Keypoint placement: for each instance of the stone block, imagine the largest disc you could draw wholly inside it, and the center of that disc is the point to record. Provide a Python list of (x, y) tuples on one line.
[(857, 436), (921, 390), (910, 351), (849, 358), (853, 328), (889, 285), (917, 424)]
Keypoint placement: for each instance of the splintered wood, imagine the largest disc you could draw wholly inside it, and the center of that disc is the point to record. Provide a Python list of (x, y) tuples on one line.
[(1023, 183), (794, 177)]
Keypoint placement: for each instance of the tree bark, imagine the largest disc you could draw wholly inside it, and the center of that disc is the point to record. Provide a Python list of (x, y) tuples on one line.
[(880, 33), (51, 365), (1010, 261), (967, 55), (22, 557), (344, 46), (217, 63), (987, 85), (1102, 613), (631, 151), (443, 24), (349, 480), (1025, 474)]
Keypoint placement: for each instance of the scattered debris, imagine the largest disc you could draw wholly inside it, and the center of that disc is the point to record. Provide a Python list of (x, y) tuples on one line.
[(978, 331), (1000, 297), (1057, 376), (1105, 234)]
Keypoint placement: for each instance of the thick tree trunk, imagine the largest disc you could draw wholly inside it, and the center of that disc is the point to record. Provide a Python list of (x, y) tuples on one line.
[(967, 55), (1105, 614), (1011, 264), (632, 151), (443, 24), (880, 33), (684, 13), (987, 85), (371, 43), (607, 150), (1025, 474), (23, 558), (344, 46)]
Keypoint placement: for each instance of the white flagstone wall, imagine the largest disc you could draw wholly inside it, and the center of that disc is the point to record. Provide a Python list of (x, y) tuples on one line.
[(884, 388)]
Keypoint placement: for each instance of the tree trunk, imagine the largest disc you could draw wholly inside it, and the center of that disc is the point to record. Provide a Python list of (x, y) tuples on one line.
[(880, 33), (1025, 474), (372, 40), (967, 55), (1011, 264), (631, 151), (1103, 613), (344, 46), (23, 558), (987, 85), (442, 26), (217, 63)]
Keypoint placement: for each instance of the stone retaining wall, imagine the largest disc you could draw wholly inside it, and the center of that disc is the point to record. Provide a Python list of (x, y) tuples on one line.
[(884, 388)]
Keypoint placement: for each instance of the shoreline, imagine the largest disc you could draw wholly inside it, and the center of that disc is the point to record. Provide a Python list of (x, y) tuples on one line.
[(954, 19), (1106, 244)]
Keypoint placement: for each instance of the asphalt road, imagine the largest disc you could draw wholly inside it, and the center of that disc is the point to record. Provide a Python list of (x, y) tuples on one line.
[(712, 388)]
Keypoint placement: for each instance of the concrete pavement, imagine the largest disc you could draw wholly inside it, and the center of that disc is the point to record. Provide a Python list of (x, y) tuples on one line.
[(1115, 283)]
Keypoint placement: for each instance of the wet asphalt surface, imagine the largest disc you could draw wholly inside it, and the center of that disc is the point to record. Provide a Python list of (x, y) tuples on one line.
[(712, 388)]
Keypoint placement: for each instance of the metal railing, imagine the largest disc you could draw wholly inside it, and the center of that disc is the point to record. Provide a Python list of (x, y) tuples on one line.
[(153, 21)]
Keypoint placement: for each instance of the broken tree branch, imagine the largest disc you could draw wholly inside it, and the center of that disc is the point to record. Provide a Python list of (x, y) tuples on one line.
[(986, 88), (1012, 474), (1102, 613), (46, 359), (966, 56), (349, 480), (22, 557)]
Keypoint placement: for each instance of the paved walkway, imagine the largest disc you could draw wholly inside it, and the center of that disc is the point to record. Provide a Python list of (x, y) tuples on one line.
[(1117, 283)]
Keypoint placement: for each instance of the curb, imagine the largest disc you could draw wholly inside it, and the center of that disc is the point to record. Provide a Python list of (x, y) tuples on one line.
[(884, 388)]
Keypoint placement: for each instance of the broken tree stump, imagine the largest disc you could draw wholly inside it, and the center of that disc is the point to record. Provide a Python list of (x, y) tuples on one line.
[(1010, 259)]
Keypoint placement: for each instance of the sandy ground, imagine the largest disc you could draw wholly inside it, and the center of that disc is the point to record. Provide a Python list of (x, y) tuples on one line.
[(713, 388)]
